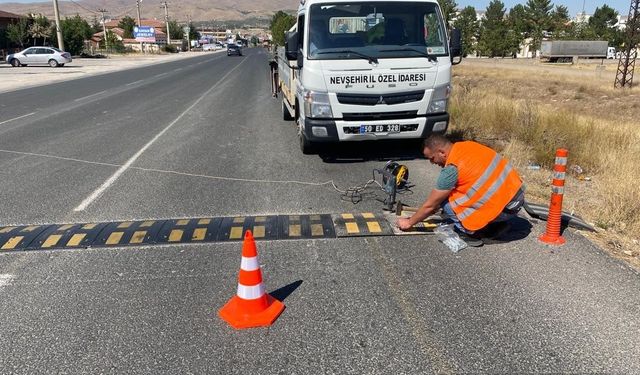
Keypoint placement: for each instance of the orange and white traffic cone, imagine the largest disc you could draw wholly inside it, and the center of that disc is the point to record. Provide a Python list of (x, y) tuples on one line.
[(554, 219), (251, 306)]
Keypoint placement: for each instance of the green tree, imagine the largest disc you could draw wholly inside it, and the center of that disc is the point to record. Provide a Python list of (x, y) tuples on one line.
[(468, 25), (560, 21), (193, 32), (448, 8), (40, 29), (175, 30), (538, 16), (280, 23), (518, 30), (75, 31), (603, 25), (127, 24), (492, 31), (18, 33), (113, 42)]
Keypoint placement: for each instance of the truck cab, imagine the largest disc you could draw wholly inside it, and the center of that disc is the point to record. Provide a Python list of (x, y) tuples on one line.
[(356, 70)]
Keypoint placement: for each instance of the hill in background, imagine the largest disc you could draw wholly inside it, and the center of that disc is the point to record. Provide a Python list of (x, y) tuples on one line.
[(210, 12)]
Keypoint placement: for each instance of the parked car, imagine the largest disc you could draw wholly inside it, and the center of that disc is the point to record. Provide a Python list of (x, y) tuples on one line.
[(234, 49), (39, 56), (209, 47)]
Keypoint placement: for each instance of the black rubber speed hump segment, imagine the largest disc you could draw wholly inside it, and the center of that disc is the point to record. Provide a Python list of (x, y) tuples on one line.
[(361, 224), (128, 233), (305, 227), (262, 228), (189, 230), (19, 237), (67, 236)]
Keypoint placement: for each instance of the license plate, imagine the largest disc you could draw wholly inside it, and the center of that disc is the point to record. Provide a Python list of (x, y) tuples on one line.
[(386, 128)]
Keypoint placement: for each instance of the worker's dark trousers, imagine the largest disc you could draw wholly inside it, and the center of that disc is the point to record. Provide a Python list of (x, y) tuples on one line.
[(511, 210)]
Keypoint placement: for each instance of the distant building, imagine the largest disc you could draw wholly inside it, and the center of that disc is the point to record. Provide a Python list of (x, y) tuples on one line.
[(97, 39), (6, 19)]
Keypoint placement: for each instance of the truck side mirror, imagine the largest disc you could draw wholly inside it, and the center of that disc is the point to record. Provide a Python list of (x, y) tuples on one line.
[(455, 46), (291, 45)]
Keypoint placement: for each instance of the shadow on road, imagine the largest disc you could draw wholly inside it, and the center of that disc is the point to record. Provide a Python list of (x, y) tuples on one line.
[(282, 293), (381, 150)]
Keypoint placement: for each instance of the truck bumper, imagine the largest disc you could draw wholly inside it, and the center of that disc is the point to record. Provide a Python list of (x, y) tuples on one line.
[(332, 130)]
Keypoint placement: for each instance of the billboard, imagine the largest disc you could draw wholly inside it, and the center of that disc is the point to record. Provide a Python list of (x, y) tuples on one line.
[(144, 34)]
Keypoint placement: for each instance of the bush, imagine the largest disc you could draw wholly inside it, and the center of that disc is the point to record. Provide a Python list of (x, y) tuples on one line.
[(170, 48)]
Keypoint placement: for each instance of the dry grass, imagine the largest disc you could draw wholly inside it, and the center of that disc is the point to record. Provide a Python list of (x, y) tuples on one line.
[(528, 112)]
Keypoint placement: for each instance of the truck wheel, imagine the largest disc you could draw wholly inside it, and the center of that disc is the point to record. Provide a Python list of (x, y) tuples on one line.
[(307, 147), (285, 112)]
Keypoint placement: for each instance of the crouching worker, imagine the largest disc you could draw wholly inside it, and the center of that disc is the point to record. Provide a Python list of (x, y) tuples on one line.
[(477, 189)]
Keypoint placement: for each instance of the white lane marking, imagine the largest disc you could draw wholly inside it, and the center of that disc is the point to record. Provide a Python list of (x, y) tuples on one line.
[(133, 83), (5, 279), (88, 96), (160, 75), (98, 192), (175, 70), (17, 118)]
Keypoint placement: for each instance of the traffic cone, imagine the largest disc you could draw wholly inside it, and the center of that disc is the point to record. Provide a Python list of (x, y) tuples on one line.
[(251, 306)]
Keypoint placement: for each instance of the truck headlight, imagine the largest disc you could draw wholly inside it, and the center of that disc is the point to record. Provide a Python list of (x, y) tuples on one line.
[(439, 99), (316, 105)]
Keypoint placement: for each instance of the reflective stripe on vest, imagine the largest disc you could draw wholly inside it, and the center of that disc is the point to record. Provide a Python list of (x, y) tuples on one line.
[(488, 194), (478, 184)]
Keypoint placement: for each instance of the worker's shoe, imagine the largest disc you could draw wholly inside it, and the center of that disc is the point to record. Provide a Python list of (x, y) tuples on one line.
[(495, 230), (471, 239)]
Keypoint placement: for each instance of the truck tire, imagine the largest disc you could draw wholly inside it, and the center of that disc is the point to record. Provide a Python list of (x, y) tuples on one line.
[(285, 112), (307, 147)]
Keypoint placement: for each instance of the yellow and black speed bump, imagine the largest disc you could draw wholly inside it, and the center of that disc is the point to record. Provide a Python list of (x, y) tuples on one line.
[(19, 237), (262, 227), (219, 229), (361, 224), (189, 230), (128, 233), (306, 227), (67, 236)]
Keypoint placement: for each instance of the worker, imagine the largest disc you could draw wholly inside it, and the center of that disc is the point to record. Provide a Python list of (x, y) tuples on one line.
[(477, 189)]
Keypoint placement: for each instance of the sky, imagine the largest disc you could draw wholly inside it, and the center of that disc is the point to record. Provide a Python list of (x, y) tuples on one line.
[(575, 6)]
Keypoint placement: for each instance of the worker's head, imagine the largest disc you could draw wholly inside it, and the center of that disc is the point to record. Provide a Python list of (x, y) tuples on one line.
[(436, 148)]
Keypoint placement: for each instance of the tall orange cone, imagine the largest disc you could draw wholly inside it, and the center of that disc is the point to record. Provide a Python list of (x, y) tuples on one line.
[(554, 220), (251, 306)]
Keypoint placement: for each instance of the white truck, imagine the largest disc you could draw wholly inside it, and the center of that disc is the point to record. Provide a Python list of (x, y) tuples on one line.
[(362, 70)]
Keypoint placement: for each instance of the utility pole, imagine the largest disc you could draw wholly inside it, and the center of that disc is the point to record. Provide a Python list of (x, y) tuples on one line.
[(104, 29), (189, 32), (627, 61), (56, 14), (139, 24), (166, 19)]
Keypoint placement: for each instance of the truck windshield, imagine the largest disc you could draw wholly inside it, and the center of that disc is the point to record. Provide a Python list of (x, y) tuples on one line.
[(375, 29)]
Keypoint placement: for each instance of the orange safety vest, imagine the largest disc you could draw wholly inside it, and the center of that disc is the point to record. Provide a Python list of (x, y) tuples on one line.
[(486, 184)]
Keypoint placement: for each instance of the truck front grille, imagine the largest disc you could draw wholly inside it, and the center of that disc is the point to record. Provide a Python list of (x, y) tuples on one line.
[(379, 116), (389, 99)]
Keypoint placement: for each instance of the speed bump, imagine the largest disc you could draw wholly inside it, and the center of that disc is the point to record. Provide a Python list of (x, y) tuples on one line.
[(191, 230), (361, 224), (18, 238)]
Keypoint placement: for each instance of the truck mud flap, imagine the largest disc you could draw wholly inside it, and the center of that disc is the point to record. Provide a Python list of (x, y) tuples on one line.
[(540, 211)]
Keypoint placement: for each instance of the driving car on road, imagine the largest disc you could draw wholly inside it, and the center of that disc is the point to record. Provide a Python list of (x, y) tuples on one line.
[(39, 56), (234, 49)]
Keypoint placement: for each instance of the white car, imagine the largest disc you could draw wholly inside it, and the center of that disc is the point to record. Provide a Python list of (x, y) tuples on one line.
[(39, 56)]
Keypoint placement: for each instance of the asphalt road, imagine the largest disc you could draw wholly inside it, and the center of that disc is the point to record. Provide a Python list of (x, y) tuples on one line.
[(163, 142)]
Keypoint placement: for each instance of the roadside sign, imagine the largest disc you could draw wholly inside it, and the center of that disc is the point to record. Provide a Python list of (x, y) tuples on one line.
[(144, 34)]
